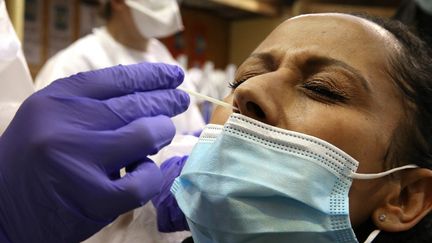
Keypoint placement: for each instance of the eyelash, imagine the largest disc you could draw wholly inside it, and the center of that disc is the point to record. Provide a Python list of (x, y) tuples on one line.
[(324, 90), (234, 84)]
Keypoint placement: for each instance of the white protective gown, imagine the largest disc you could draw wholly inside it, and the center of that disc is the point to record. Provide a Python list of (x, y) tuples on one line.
[(15, 80), (99, 50)]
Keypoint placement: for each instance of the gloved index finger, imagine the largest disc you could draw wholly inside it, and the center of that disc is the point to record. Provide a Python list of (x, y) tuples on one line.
[(122, 80)]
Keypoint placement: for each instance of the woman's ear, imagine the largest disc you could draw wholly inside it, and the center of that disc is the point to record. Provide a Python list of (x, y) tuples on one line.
[(406, 207)]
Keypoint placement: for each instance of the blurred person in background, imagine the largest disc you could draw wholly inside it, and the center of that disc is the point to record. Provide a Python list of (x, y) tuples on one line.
[(128, 37), (61, 148)]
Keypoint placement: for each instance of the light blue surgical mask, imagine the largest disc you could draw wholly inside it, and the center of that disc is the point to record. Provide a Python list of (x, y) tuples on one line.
[(251, 182)]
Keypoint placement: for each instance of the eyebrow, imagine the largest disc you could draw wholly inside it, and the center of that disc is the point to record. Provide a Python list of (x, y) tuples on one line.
[(321, 61), (316, 62), (267, 58)]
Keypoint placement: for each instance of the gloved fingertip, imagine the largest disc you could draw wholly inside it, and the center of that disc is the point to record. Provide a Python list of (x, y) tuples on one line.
[(180, 75), (184, 99), (139, 185), (173, 166)]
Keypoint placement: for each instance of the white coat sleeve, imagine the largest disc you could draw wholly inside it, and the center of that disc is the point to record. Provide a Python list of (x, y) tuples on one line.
[(15, 80), (61, 65)]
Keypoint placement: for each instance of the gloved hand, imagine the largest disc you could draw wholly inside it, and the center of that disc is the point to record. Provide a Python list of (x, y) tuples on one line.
[(61, 154), (170, 218)]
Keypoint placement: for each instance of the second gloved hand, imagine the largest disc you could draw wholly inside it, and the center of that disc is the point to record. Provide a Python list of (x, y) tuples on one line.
[(170, 218), (61, 154)]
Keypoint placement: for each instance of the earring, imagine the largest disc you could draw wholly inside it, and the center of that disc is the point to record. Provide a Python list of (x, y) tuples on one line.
[(382, 217)]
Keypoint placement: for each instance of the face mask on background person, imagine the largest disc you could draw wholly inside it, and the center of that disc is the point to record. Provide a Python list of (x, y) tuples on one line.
[(251, 182), (156, 18)]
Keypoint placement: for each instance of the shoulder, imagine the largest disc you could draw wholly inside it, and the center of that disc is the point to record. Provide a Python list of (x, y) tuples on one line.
[(75, 58), (155, 46), (87, 46)]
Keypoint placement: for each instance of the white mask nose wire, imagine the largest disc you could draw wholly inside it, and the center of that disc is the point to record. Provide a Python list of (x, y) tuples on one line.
[(360, 176)]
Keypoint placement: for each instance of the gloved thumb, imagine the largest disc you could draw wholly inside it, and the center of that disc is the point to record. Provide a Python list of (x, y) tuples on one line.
[(136, 188)]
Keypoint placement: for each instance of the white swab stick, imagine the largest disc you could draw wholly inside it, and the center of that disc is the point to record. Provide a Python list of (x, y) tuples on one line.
[(208, 98)]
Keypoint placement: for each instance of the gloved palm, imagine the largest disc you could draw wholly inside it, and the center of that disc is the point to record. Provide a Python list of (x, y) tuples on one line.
[(60, 156)]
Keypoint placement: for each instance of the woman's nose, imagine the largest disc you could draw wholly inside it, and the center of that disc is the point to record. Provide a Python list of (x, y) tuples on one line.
[(252, 100)]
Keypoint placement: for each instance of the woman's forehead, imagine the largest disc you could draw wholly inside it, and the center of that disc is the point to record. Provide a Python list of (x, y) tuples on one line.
[(363, 44), (343, 24)]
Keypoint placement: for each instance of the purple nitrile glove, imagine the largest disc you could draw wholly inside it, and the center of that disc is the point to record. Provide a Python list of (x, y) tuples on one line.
[(170, 218), (60, 156)]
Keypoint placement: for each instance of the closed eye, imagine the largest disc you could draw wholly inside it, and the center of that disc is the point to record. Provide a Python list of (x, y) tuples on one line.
[(234, 84), (323, 90)]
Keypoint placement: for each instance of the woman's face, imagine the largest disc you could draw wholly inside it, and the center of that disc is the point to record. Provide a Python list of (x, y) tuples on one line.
[(325, 75)]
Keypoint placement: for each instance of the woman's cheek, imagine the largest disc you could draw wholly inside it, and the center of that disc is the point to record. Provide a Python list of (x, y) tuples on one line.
[(220, 114)]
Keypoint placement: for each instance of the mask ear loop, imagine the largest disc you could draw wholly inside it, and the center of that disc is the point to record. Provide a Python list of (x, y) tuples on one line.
[(372, 236), (360, 176)]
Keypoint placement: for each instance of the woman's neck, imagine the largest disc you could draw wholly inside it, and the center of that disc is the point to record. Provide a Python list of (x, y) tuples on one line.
[(127, 36)]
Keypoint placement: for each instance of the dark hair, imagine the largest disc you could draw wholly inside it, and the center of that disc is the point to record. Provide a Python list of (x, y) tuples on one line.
[(414, 16), (411, 70), (105, 10)]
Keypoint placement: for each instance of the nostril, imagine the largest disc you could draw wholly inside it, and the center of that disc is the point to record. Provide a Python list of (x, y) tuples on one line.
[(255, 109)]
